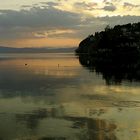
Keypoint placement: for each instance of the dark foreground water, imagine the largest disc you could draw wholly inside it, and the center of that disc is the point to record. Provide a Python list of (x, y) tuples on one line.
[(52, 97)]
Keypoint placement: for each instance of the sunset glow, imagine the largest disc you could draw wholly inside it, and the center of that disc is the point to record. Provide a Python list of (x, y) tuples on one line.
[(60, 23)]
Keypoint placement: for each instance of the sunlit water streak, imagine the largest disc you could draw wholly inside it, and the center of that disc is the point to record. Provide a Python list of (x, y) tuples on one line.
[(52, 97)]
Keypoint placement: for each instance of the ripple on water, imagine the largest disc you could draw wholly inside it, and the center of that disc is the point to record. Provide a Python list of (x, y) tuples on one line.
[(127, 104)]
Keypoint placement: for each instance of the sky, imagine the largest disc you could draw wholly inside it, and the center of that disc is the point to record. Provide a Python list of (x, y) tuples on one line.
[(60, 23)]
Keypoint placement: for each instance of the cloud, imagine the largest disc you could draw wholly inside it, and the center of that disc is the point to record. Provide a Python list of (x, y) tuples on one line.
[(55, 33), (130, 6), (26, 6), (85, 5), (109, 7), (50, 22), (96, 24), (51, 4), (16, 24), (104, 1), (38, 17)]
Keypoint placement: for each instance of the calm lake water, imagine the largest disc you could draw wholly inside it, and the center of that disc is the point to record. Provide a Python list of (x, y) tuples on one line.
[(52, 97)]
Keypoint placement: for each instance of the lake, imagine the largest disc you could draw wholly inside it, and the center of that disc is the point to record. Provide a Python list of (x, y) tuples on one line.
[(53, 97)]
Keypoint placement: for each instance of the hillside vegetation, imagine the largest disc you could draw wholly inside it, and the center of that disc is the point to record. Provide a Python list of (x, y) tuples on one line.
[(118, 38), (115, 53)]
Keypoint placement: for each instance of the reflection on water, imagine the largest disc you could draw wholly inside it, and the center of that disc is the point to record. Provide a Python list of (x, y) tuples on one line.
[(53, 97), (114, 68), (92, 128)]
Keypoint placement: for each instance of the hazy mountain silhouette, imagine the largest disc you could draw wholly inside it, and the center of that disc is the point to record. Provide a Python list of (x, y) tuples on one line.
[(4, 49)]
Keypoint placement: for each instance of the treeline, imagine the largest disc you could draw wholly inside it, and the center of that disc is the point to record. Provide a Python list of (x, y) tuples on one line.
[(121, 36), (114, 52)]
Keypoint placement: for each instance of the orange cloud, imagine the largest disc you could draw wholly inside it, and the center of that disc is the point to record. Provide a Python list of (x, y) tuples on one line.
[(40, 42)]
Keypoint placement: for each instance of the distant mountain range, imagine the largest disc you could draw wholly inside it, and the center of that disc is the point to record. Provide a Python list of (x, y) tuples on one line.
[(4, 49)]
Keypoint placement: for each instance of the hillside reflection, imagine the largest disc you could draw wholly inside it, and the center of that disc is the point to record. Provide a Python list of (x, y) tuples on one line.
[(114, 69)]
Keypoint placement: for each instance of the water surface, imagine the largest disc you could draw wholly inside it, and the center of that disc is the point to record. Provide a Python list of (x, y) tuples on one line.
[(52, 97)]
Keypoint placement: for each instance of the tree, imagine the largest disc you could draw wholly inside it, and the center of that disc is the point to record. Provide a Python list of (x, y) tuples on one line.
[(107, 28)]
